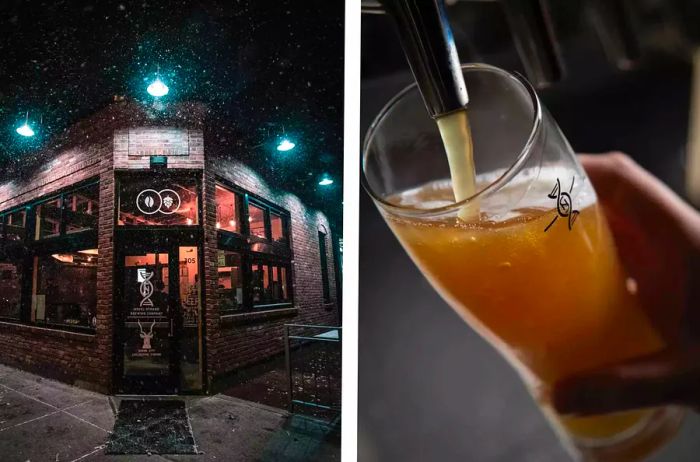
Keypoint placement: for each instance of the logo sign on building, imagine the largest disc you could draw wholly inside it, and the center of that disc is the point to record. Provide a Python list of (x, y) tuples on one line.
[(165, 201)]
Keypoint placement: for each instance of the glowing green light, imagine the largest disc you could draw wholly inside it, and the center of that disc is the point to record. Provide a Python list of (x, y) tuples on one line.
[(285, 145), (25, 130), (157, 88), (325, 181)]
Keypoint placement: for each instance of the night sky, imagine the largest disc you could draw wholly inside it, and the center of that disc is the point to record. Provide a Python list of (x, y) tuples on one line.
[(264, 68)]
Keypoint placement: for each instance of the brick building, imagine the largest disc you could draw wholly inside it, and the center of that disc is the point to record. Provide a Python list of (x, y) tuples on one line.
[(94, 228)]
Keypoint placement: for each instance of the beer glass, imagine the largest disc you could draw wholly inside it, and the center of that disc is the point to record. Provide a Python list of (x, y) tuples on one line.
[(534, 270)]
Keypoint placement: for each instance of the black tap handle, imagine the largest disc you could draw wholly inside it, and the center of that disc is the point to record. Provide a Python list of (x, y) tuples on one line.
[(429, 45)]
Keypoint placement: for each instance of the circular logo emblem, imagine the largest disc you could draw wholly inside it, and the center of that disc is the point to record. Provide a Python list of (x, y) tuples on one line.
[(150, 201)]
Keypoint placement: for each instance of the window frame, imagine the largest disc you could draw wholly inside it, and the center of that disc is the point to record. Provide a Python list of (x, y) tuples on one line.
[(246, 198), (27, 248), (249, 246), (323, 263), (60, 195), (122, 175)]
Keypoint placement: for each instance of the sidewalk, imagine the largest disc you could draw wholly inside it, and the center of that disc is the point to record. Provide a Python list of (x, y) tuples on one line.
[(43, 420)]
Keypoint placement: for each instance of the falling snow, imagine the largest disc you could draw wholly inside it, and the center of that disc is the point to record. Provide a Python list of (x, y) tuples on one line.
[(263, 68)]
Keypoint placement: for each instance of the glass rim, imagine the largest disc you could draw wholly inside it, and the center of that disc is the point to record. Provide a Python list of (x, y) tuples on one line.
[(496, 184)]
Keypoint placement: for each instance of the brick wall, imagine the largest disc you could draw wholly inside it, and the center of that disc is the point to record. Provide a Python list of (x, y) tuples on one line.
[(95, 147), (239, 340), (133, 147), (83, 359)]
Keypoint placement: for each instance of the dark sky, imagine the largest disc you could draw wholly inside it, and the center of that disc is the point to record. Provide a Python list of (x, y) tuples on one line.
[(263, 67)]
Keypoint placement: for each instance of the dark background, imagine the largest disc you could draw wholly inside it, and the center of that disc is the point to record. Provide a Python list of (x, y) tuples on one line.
[(430, 388), (264, 68)]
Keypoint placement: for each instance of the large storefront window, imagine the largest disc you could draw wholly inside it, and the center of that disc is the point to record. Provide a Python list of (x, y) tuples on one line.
[(254, 263), (64, 289), (48, 260), (158, 201)]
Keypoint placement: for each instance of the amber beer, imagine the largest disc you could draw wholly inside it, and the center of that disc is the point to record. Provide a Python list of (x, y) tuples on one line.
[(545, 286)]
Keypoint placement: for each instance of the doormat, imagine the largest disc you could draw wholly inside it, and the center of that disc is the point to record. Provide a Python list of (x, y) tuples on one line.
[(151, 427)]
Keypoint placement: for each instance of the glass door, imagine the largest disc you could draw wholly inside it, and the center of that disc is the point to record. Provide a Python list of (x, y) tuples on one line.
[(148, 321)]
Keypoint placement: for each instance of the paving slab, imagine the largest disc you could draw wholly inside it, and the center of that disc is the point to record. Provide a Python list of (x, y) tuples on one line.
[(45, 420), (51, 392), (97, 412), (58, 437), (16, 409)]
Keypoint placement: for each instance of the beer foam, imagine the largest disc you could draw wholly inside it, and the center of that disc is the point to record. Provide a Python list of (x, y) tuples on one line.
[(530, 188)]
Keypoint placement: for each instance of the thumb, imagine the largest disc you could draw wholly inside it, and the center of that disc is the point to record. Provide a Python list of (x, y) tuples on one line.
[(660, 379)]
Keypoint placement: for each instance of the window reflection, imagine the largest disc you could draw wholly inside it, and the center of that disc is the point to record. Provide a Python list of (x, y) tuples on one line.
[(65, 288)]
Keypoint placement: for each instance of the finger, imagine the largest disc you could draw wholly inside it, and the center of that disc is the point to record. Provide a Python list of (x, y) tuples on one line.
[(652, 381), (632, 190)]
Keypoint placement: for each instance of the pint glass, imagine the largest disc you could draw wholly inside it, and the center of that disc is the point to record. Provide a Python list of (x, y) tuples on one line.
[(534, 270)]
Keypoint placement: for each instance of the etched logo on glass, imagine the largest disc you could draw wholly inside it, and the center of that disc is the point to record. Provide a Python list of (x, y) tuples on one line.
[(165, 201), (146, 288), (564, 204)]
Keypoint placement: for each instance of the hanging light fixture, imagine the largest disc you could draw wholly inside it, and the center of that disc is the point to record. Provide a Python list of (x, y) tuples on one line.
[(25, 129), (325, 180), (157, 88), (285, 145)]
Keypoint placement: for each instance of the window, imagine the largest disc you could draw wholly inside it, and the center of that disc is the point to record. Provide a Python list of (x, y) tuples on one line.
[(270, 284), (81, 209), (158, 201), (277, 228), (256, 217), (16, 225), (64, 289), (227, 217), (10, 289), (265, 221), (324, 266), (230, 281), (253, 269), (69, 213), (48, 219)]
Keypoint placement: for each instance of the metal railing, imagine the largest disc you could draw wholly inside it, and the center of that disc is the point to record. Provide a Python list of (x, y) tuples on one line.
[(313, 361)]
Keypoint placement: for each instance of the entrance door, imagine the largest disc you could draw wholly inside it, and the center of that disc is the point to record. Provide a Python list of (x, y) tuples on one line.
[(148, 321), (158, 318)]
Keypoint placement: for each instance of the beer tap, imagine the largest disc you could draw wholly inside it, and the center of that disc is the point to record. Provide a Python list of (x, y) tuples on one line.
[(429, 46)]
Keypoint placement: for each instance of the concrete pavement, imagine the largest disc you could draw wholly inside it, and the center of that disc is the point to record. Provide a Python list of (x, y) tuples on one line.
[(44, 420)]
